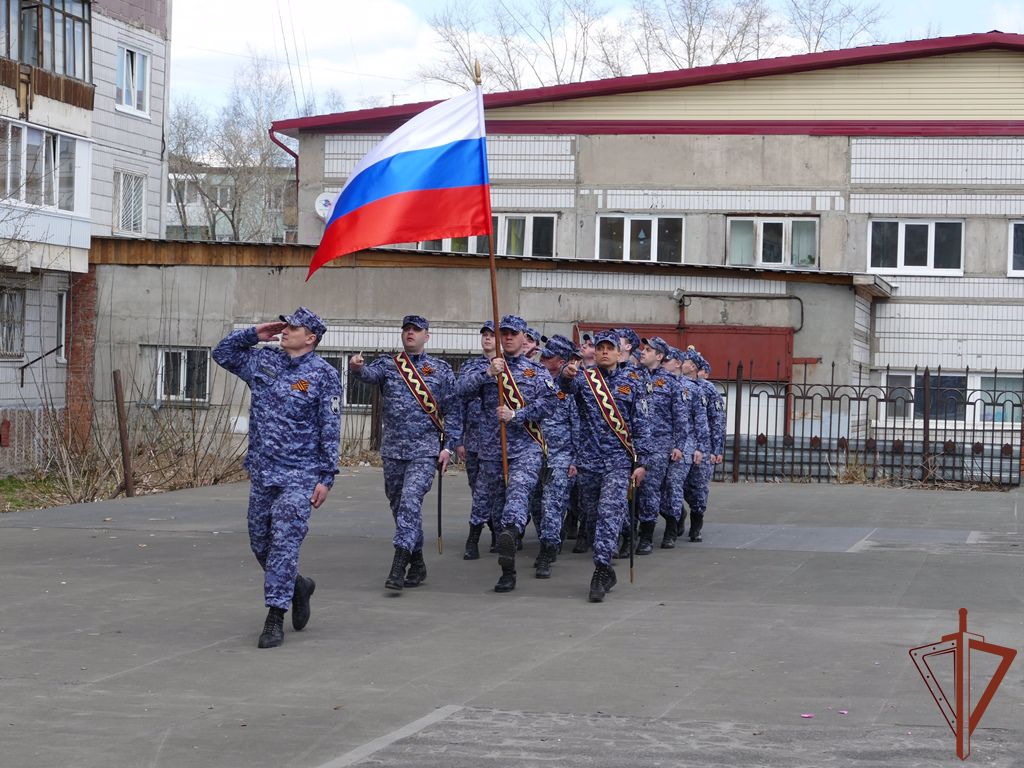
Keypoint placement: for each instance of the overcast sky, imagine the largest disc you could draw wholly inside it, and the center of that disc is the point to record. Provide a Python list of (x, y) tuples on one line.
[(370, 50)]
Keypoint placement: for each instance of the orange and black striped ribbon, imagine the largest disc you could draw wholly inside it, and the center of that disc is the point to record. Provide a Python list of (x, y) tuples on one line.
[(420, 391), (516, 400), (610, 411)]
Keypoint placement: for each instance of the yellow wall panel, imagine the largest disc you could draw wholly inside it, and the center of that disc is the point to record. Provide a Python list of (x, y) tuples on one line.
[(982, 85)]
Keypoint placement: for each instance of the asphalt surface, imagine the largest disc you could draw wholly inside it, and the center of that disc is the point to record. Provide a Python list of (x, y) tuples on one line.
[(128, 638)]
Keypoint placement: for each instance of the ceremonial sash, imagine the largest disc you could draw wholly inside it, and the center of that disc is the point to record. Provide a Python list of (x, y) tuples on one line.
[(420, 391), (606, 405), (514, 398)]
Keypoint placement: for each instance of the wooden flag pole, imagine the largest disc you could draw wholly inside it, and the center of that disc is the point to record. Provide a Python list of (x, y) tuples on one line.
[(497, 319)]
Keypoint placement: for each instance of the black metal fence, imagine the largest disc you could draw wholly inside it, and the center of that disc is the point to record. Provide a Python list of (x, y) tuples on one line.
[(919, 427)]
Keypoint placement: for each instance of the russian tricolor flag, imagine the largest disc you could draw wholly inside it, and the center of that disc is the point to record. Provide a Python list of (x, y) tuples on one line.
[(426, 181)]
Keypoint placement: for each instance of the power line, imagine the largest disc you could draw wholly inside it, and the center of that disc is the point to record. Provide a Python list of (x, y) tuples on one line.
[(320, 68)]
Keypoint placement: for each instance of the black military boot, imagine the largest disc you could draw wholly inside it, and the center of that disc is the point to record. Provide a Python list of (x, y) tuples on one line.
[(396, 579), (624, 543), (601, 582), (696, 523), (472, 543), (273, 629), (582, 538), (645, 542), (544, 561), (417, 572), (507, 540), (668, 540), (494, 538), (300, 601)]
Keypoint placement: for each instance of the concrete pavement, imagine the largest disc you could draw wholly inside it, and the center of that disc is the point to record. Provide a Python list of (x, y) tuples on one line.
[(128, 638)]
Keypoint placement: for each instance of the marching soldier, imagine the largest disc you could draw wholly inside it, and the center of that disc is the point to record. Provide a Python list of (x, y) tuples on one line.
[(529, 395), (629, 352), (561, 433), (671, 439), (697, 447), (422, 426), (469, 451), (614, 447), (294, 432), (700, 487)]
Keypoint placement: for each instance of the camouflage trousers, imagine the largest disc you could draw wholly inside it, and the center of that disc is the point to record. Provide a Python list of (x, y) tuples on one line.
[(506, 507), (278, 521), (650, 489), (554, 501), (472, 469), (406, 482), (698, 485), (605, 494), (672, 489)]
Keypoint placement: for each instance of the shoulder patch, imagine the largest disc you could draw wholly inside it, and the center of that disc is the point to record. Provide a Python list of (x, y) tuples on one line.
[(336, 404)]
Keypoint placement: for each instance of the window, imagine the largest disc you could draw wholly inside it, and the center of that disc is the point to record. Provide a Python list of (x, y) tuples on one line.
[(275, 199), (1015, 267), (132, 86), (129, 201), (916, 247), (12, 322), (50, 34), (516, 234), (181, 191), (190, 232), (761, 242), (947, 396), (357, 391), (1001, 399), (640, 238), (62, 323), (37, 166), (222, 196), (183, 374)]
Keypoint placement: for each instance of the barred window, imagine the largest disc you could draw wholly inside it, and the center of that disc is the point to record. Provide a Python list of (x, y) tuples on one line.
[(183, 374), (12, 322), (129, 202)]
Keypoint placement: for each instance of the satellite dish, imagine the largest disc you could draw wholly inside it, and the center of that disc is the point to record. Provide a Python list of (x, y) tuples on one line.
[(325, 204)]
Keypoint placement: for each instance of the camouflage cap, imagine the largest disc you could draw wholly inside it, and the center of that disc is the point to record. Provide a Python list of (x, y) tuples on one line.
[(416, 320), (533, 333), (629, 335), (513, 323), (487, 326), (610, 335), (307, 319), (559, 346), (658, 344)]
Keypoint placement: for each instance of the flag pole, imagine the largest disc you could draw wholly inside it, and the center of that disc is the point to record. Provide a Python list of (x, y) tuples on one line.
[(494, 307)]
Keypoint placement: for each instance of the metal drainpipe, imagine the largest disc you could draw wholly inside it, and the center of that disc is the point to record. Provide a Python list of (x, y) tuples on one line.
[(286, 148)]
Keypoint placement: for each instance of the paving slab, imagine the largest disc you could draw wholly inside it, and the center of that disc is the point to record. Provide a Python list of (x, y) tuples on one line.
[(128, 629)]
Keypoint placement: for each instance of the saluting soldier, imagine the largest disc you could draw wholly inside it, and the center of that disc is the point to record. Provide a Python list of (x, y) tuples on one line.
[(697, 447), (529, 396), (614, 447), (629, 361), (469, 451), (561, 433), (422, 426), (294, 433), (700, 486), (670, 437)]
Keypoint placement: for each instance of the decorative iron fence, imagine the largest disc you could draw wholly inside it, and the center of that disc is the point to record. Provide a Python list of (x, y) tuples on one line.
[(919, 427)]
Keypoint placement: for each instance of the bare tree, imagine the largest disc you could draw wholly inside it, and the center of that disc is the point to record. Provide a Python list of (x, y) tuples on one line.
[(831, 24), (456, 26)]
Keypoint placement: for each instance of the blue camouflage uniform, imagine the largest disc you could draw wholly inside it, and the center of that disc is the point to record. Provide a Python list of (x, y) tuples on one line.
[(561, 433), (699, 440), (411, 442), (508, 507), (294, 434), (605, 467), (670, 429), (698, 484), (471, 417)]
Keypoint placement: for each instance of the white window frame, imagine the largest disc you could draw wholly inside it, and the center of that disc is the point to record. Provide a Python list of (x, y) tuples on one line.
[(1010, 271), (477, 243), (14, 191), (975, 395), (119, 181), (787, 241), (130, 55), (344, 357), (180, 397), (627, 219), (17, 350), (929, 269)]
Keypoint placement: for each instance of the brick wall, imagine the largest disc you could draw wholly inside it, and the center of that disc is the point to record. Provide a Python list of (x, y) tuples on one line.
[(80, 342)]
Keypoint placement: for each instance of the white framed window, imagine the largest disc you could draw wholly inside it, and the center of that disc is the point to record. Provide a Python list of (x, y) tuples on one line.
[(36, 166), (12, 323), (183, 374), (275, 198), (131, 92), (951, 396), (129, 202), (181, 191), (624, 237), (1015, 261), (222, 195), (756, 241), (357, 392), (916, 246), (62, 324), (515, 234)]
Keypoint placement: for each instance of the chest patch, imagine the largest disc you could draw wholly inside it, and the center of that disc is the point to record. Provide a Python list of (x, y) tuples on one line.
[(561, 395), (659, 382), (529, 373), (301, 385), (623, 389), (428, 369)]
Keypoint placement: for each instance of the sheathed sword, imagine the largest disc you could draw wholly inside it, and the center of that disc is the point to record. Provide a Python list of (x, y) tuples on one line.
[(440, 488), (633, 494)]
